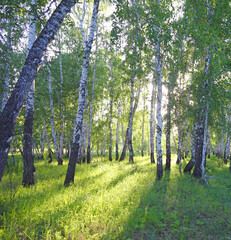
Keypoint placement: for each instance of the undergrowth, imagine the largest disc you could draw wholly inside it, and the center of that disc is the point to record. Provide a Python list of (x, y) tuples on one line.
[(116, 200)]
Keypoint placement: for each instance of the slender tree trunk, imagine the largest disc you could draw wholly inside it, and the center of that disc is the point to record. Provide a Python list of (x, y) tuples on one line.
[(91, 106), (110, 117), (209, 143), (61, 107), (159, 115), (126, 136), (204, 145), (168, 128), (152, 124), (142, 142), (81, 103), (201, 130), (60, 162), (28, 161), (186, 145), (41, 141), (131, 153), (117, 131), (47, 140), (227, 149)]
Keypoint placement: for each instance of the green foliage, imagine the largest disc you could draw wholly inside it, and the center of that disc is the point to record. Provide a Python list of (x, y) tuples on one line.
[(116, 200)]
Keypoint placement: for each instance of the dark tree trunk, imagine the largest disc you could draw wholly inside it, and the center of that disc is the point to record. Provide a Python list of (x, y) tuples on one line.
[(50, 156), (198, 150), (13, 106), (117, 151), (88, 154), (28, 160), (123, 155), (191, 163)]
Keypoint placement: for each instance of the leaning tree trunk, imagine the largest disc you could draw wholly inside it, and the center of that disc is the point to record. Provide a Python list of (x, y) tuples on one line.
[(60, 161), (81, 102), (159, 116), (91, 106), (28, 161), (13, 106)]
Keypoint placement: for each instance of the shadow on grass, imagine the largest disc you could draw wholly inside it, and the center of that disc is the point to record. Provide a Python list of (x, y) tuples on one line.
[(147, 219)]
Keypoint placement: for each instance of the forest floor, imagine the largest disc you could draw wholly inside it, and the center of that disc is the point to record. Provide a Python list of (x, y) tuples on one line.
[(116, 200)]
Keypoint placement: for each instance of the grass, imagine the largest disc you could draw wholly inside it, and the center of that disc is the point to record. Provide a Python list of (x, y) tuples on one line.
[(116, 200)]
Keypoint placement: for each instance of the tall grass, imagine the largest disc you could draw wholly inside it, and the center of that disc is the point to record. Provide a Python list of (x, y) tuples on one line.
[(116, 200)]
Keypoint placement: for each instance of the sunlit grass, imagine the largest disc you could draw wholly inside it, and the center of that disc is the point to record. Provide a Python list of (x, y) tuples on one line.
[(116, 200)]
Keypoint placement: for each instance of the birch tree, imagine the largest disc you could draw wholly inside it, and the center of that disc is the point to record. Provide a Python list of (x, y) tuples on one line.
[(91, 106), (82, 90), (28, 163)]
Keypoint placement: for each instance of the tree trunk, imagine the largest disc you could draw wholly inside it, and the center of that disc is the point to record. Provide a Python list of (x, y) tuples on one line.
[(142, 141), (47, 140), (152, 124), (81, 102), (209, 143), (91, 106), (123, 155), (204, 145), (168, 133), (60, 161), (131, 153), (28, 161), (159, 102), (110, 116), (61, 107), (227, 149), (117, 131)]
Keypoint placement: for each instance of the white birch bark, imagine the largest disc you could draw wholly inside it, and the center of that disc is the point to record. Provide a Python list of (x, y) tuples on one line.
[(81, 101), (91, 106), (203, 178), (28, 178), (110, 113), (158, 110)]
